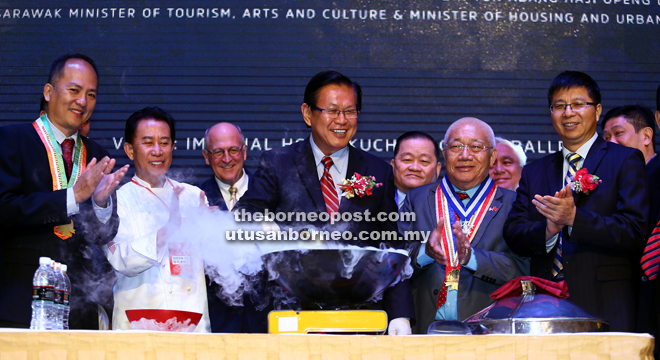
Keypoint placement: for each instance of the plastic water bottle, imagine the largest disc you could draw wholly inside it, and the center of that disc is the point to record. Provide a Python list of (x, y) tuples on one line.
[(58, 314), (42, 295), (66, 298)]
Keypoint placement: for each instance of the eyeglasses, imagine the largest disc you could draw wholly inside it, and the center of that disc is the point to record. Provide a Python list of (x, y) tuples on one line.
[(457, 148), (220, 153), (349, 114), (576, 106)]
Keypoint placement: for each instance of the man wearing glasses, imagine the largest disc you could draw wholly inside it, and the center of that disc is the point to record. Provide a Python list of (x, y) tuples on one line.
[(305, 177), (591, 241), (225, 153), (466, 257)]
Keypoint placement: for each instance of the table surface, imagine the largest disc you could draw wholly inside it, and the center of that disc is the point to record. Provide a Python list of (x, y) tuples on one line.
[(138, 345)]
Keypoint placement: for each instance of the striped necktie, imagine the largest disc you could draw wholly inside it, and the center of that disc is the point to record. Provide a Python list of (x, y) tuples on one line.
[(573, 159), (651, 259), (328, 187)]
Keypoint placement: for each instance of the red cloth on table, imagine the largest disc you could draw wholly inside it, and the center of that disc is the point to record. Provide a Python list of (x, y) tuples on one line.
[(514, 288)]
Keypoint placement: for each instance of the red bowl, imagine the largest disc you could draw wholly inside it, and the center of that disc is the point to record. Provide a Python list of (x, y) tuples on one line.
[(163, 320)]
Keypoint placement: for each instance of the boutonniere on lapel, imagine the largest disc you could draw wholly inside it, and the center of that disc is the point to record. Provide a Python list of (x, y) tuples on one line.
[(584, 182), (358, 185)]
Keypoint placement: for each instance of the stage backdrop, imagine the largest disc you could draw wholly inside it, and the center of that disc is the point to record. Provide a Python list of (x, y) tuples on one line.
[(422, 64)]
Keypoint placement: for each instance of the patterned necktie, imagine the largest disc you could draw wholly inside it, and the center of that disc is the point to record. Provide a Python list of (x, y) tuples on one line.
[(462, 195), (573, 159), (232, 192), (328, 187), (67, 153), (651, 258)]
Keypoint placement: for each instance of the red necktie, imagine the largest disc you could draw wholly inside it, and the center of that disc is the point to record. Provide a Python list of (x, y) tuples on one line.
[(651, 258), (442, 298), (328, 187), (462, 195), (67, 153)]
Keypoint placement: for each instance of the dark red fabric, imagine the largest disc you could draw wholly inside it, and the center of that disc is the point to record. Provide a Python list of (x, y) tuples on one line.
[(67, 153), (462, 195), (442, 298), (514, 288), (328, 187), (651, 258)]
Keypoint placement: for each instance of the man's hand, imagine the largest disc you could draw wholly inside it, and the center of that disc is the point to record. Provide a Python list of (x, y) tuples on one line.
[(559, 210), (399, 326), (463, 248), (108, 183), (90, 178), (434, 247), (436, 251), (202, 203)]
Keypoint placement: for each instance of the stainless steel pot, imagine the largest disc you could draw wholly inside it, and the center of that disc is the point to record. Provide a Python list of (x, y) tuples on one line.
[(335, 278), (534, 314)]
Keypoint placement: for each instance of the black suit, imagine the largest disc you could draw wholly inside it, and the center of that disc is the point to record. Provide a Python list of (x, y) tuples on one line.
[(287, 181), (648, 318), (29, 209), (601, 254), (224, 318)]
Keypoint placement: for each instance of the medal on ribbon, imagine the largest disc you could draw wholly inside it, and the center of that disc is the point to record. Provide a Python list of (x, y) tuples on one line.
[(451, 208), (57, 166)]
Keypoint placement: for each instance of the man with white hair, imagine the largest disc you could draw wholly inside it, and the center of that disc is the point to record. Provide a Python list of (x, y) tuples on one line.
[(508, 166), (466, 257)]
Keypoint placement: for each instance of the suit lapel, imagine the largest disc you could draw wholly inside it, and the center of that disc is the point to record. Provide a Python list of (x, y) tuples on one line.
[(307, 170), (595, 155), (355, 165), (496, 206), (432, 200), (556, 182)]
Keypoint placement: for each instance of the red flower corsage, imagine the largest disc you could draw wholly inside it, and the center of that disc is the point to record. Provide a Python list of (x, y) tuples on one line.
[(358, 185), (585, 182)]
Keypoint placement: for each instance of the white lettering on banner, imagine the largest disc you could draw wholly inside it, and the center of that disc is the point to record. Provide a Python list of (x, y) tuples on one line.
[(117, 144), (200, 13), (301, 14), (352, 14), (102, 13), (31, 14), (259, 13), (378, 145)]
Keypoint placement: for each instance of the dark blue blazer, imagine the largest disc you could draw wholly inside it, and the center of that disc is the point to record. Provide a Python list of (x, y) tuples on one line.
[(601, 254), (29, 208), (287, 181)]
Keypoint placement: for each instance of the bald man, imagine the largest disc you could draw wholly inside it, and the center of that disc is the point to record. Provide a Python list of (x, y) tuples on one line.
[(456, 282), (225, 152)]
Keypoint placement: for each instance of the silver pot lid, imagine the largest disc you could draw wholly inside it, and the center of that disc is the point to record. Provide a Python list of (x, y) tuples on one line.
[(533, 313)]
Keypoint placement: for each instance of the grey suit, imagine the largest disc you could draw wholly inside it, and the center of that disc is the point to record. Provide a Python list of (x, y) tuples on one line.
[(497, 264)]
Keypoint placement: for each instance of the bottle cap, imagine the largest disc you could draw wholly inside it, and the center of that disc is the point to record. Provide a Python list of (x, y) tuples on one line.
[(63, 267), (57, 266), (44, 260)]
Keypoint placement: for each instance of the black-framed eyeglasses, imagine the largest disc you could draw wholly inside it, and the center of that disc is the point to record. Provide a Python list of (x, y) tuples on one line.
[(220, 153), (334, 113), (576, 106), (457, 148)]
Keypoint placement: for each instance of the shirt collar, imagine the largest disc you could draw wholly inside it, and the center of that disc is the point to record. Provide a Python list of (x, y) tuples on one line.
[(59, 136), (400, 197), (239, 183), (470, 191), (144, 183), (338, 158), (583, 150)]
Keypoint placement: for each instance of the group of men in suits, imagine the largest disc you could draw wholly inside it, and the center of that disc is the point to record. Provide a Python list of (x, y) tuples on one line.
[(482, 235)]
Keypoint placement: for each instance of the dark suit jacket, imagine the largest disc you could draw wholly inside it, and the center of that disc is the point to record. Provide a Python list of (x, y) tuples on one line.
[(29, 209), (224, 318), (601, 254), (496, 263), (287, 181)]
